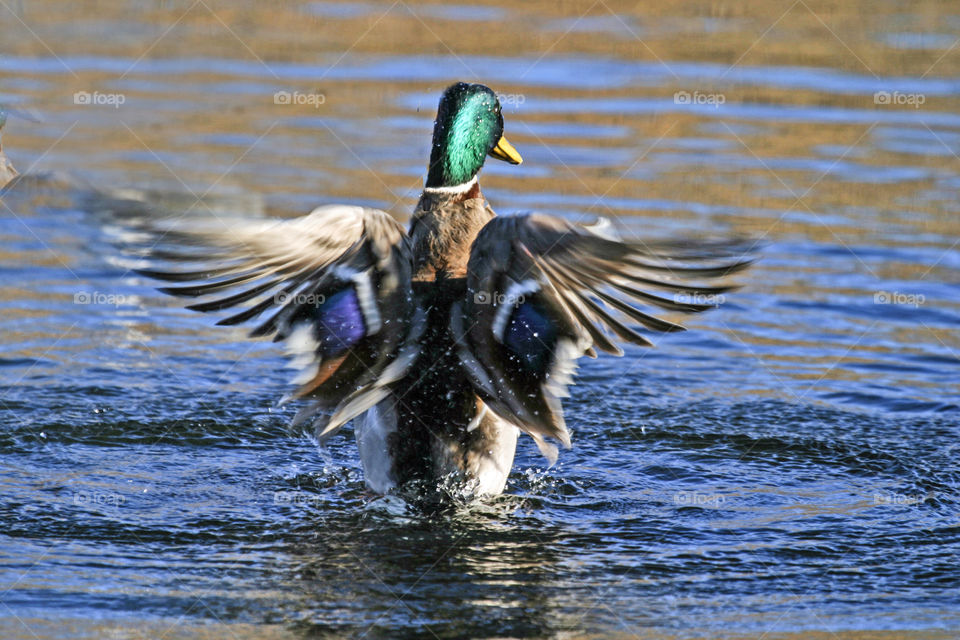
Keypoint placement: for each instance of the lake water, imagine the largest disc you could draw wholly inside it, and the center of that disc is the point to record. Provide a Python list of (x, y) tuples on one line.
[(786, 469)]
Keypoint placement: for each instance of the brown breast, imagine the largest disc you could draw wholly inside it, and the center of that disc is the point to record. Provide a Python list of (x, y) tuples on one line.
[(442, 231)]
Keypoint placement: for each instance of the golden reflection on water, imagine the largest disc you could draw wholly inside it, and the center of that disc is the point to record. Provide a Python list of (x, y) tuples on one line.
[(793, 152), (798, 153)]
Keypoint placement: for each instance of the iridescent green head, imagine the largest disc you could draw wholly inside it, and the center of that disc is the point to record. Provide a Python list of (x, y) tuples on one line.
[(469, 127)]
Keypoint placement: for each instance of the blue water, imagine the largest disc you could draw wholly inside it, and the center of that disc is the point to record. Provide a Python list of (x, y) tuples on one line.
[(788, 466)]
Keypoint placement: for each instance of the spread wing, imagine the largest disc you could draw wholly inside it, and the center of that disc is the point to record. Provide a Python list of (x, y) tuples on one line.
[(335, 285), (541, 292)]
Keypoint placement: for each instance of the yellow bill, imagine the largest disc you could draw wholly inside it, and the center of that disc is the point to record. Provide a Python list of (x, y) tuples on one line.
[(505, 151)]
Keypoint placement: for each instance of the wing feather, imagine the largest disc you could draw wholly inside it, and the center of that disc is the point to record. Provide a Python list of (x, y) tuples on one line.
[(329, 278), (579, 281)]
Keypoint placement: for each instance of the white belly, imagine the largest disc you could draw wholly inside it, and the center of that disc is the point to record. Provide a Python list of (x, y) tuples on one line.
[(484, 469), (491, 467), (372, 430)]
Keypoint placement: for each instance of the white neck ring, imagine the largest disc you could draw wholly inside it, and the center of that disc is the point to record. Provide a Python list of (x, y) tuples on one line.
[(455, 189)]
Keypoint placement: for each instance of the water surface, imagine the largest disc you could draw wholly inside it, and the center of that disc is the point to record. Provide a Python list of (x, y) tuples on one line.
[(786, 469)]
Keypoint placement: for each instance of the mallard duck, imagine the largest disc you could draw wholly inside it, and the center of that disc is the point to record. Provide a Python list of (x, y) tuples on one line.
[(444, 341), (7, 172)]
